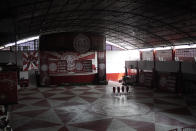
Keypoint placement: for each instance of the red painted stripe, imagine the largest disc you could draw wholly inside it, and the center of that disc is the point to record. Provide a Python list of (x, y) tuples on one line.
[(91, 56), (114, 76), (73, 79)]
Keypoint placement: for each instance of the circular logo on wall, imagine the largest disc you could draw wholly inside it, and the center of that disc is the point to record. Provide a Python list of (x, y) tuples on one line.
[(44, 67), (79, 66), (81, 43), (52, 67)]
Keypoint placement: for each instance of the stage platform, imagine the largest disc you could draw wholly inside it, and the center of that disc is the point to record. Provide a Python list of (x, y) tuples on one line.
[(72, 78)]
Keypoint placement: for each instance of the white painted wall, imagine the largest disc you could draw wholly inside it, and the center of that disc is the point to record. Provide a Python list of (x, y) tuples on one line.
[(115, 60)]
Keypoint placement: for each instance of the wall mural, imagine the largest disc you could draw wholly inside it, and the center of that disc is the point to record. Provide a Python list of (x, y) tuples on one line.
[(72, 53), (56, 63), (163, 55), (30, 60), (185, 54), (69, 62), (147, 55)]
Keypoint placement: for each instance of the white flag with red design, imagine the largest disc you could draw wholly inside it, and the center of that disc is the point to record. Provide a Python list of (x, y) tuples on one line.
[(30, 60)]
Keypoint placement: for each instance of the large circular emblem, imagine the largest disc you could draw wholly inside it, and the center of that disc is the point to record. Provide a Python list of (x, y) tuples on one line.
[(79, 66), (44, 67), (52, 67), (81, 43)]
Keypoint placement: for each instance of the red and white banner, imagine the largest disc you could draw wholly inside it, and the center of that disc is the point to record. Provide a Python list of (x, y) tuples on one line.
[(57, 66), (83, 66), (185, 54), (147, 55), (57, 63), (30, 60), (60, 66), (163, 55), (65, 62)]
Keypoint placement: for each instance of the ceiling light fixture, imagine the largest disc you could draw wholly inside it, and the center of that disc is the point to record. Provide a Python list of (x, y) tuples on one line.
[(20, 42), (110, 43)]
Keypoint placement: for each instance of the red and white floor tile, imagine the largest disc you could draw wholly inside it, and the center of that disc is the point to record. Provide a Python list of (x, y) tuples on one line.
[(95, 108)]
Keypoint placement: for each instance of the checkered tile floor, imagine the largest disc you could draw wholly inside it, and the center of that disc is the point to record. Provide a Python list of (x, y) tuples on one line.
[(95, 107)]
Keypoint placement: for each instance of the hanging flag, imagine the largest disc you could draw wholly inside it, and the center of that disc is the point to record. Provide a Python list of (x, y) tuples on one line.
[(30, 60)]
